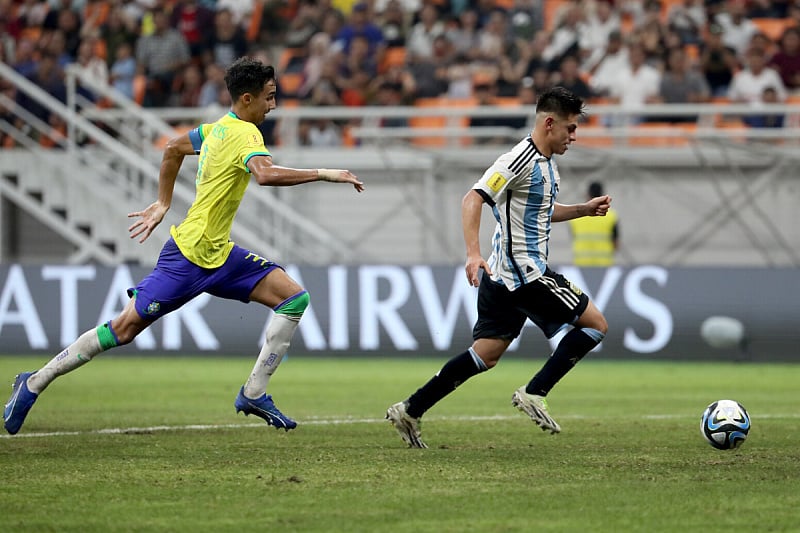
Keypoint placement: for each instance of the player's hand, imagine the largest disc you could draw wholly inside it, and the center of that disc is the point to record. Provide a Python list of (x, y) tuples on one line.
[(598, 206), (340, 176), (149, 218), (473, 267)]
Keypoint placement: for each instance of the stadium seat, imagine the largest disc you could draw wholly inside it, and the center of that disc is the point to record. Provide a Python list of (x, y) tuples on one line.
[(439, 121), (773, 28), (394, 56), (647, 134)]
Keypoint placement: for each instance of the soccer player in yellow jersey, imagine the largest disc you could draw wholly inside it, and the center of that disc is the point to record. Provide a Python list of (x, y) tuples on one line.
[(199, 256)]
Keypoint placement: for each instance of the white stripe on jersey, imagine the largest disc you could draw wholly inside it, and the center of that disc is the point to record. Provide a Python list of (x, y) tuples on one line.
[(523, 185)]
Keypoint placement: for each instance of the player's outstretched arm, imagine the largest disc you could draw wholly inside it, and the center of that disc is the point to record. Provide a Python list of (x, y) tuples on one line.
[(596, 207), (152, 215), (266, 173)]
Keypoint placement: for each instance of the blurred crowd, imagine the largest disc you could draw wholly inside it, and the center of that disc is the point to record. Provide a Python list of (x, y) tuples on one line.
[(401, 52)]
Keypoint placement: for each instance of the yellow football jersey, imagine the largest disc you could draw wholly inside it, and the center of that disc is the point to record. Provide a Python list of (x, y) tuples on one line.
[(222, 178)]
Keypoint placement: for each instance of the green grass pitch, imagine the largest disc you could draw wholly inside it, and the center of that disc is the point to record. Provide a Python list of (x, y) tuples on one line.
[(154, 444)]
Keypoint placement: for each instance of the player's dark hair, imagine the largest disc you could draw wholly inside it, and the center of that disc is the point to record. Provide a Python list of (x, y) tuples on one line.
[(595, 189), (247, 75), (560, 101)]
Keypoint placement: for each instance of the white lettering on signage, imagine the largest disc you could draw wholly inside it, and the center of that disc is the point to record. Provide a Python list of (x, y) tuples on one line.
[(68, 276), (190, 316), (16, 291), (339, 325), (647, 307), (375, 313), (442, 322)]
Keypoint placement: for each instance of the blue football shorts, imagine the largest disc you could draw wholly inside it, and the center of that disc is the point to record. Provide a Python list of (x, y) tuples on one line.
[(175, 280)]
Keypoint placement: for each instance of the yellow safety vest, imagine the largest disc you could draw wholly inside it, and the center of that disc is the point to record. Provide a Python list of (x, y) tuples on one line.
[(593, 240)]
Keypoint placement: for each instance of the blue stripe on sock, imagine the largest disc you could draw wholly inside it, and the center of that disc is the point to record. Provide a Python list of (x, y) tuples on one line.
[(477, 359), (594, 334)]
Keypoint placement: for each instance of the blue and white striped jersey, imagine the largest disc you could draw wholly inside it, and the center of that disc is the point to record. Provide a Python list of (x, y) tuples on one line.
[(521, 187)]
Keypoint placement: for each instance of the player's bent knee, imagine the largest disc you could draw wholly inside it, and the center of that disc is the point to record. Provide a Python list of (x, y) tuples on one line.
[(294, 305)]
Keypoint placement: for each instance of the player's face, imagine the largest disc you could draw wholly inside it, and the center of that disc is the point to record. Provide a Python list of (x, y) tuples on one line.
[(563, 133), (267, 97)]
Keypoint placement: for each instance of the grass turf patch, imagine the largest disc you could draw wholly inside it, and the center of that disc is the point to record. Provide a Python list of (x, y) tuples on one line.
[(630, 457)]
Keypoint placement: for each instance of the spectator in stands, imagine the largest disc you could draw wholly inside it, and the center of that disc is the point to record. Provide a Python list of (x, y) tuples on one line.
[(321, 133), (123, 70), (193, 19), (227, 42), (767, 120), (772, 9), (485, 93), (748, 85), (356, 71), (636, 84), (118, 29), (318, 54), (55, 43), (93, 66), (306, 23), (564, 40), (240, 11), (530, 56), (597, 30), (160, 57), (327, 91), (24, 61), (419, 45), (787, 59), (464, 34), (680, 84), (394, 23), (568, 77), (430, 74), (359, 24), (602, 76), (49, 76), (213, 86), (717, 61), (68, 21), (190, 85), (736, 27), (390, 94), (687, 18), (526, 18)]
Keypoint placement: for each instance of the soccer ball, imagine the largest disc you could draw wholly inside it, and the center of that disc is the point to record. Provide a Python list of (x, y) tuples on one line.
[(725, 424)]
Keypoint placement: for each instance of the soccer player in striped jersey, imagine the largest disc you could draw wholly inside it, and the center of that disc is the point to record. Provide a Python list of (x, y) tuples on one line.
[(199, 255), (517, 284)]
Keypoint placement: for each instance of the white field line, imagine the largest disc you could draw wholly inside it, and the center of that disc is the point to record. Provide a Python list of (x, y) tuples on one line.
[(332, 422)]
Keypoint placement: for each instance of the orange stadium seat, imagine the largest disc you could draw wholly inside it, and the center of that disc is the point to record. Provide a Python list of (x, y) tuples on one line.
[(439, 121), (394, 56), (773, 28)]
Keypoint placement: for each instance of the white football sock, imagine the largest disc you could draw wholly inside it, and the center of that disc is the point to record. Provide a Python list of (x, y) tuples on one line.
[(279, 334), (77, 354)]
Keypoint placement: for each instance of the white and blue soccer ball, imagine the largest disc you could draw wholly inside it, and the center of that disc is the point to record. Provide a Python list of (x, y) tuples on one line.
[(725, 424)]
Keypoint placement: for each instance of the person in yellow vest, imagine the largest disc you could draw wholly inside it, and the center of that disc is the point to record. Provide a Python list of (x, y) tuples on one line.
[(595, 239)]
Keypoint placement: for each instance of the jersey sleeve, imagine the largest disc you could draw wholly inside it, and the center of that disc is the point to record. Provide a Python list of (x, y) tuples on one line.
[(198, 135), (251, 145), (496, 180)]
